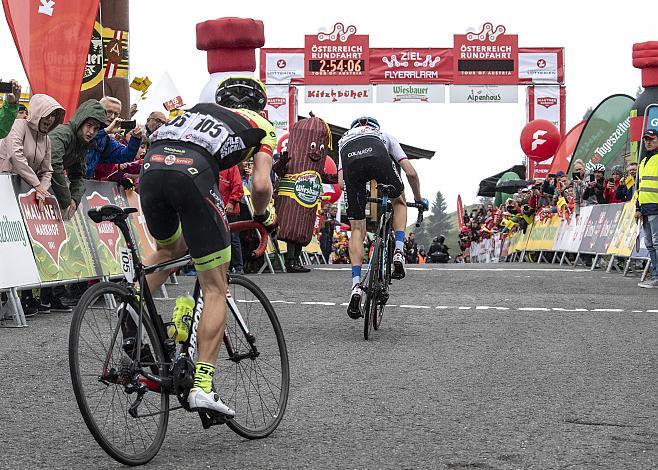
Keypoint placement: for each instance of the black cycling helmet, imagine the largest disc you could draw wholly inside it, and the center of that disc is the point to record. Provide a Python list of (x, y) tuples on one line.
[(241, 92), (441, 238), (365, 121)]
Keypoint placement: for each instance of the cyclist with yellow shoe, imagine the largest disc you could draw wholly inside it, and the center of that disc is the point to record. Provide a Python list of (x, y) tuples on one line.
[(180, 196)]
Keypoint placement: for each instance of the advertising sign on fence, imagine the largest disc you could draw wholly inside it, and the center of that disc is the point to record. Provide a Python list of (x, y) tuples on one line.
[(61, 249), (17, 267), (543, 234), (623, 240)]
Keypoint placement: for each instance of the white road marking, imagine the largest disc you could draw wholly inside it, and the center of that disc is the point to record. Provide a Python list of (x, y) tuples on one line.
[(652, 311), (560, 309), (465, 307)]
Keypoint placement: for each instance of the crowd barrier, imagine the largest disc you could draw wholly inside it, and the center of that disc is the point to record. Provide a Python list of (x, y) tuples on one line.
[(602, 232), (39, 249)]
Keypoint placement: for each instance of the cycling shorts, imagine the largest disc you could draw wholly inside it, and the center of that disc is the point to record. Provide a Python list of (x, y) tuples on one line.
[(363, 160), (179, 195)]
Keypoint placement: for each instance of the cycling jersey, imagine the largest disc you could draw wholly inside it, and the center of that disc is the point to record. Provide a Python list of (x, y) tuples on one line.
[(365, 156), (226, 135), (180, 177), (393, 147)]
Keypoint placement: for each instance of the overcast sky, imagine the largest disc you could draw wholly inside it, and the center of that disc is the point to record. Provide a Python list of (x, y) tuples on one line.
[(472, 141)]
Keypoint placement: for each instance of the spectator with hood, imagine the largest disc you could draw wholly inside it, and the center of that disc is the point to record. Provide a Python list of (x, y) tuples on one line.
[(70, 143), (26, 151), (9, 109)]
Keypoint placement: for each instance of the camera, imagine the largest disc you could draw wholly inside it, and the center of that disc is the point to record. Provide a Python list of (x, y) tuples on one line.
[(127, 125), (5, 87)]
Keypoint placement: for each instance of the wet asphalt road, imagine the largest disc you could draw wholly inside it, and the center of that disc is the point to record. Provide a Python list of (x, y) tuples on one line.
[(520, 366)]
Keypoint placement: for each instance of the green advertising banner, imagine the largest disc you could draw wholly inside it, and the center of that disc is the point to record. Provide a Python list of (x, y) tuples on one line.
[(61, 248), (606, 135)]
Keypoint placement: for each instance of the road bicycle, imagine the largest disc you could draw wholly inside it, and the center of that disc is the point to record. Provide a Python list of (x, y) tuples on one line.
[(378, 276), (125, 363)]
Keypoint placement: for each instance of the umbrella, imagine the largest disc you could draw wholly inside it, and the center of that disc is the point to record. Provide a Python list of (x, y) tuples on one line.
[(512, 186), (488, 185)]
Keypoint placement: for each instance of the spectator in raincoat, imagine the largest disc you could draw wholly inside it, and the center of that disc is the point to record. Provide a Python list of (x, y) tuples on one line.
[(26, 150)]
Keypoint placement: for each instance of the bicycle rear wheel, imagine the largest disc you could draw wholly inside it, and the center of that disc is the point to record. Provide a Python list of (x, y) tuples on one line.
[(371, 290), (96, 338), (255, 386)]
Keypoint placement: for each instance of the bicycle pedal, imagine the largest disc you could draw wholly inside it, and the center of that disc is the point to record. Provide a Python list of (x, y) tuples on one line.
[(209, 419)]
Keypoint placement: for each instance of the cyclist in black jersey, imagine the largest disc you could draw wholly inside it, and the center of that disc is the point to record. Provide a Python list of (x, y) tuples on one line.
[(180, 196), (367, 153)]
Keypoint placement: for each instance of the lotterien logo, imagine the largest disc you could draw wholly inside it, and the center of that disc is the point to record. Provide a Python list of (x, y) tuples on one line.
[(11, 231)]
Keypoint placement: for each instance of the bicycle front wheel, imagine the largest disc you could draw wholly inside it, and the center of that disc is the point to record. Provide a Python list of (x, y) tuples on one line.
[(101, 376), (379, 310), (254, 380), (370, 306)]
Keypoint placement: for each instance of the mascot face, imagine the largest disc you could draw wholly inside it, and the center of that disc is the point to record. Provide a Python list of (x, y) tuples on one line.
[(308, 139)]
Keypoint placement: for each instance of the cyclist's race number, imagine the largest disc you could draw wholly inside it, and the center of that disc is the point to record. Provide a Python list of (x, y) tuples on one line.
[(200, 129)]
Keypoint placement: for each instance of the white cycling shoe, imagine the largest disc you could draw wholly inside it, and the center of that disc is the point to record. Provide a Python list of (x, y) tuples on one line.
[(398, 265), (202, 401)]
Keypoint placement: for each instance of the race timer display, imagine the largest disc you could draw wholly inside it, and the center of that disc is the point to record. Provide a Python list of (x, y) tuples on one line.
[(336, 66)]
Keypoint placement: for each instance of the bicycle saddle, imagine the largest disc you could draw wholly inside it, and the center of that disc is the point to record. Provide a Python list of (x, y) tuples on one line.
[(385, 189), (110, 212)]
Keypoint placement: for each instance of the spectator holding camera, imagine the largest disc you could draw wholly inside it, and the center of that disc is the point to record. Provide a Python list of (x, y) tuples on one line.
[(107, 149), (595, 186), (26, 150), (612, 185), (9, 109)]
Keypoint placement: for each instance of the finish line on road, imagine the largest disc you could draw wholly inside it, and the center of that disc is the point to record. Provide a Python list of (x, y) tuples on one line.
[(477, 307)]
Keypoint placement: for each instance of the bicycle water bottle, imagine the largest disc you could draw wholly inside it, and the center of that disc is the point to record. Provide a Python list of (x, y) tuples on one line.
[(182, 318)]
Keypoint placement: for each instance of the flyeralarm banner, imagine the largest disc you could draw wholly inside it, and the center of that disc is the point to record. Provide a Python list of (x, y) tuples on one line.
[(411, 65), (487, 57), (338, 57)]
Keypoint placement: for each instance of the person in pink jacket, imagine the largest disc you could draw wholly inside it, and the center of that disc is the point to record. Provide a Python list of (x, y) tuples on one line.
[(26, 149)]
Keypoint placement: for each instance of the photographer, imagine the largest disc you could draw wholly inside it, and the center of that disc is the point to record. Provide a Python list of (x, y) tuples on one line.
[(411, 249), (438, 250), (593, 193), (612, 185), (107, 149)]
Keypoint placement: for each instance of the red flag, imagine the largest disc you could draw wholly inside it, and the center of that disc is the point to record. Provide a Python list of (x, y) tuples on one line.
[(564, 152), (52, 39), (460, 211)]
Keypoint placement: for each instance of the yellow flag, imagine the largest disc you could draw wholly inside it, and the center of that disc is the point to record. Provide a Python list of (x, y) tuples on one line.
[(630, 181), (140, 84)]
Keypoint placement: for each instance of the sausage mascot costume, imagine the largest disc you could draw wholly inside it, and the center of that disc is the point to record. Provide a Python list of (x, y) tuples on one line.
[(301, 174)]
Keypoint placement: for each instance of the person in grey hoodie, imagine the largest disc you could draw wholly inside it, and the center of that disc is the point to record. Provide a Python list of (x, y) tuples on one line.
[(70, 143), (26, 150)]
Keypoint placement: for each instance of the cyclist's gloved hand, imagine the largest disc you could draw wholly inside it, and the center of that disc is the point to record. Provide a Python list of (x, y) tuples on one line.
[(425, 203), (268, 219)]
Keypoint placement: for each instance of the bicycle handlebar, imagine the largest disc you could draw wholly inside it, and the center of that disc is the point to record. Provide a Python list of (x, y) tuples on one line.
[(252, 225), (421, 209)]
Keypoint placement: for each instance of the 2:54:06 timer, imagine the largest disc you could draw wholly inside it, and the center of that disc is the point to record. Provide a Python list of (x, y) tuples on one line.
[(336, 66)]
